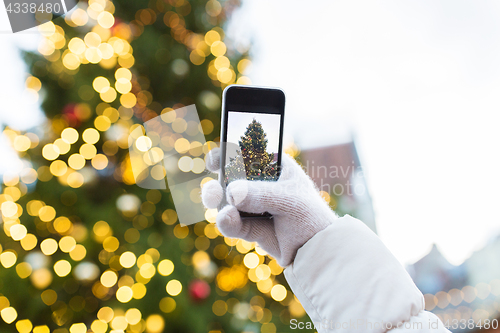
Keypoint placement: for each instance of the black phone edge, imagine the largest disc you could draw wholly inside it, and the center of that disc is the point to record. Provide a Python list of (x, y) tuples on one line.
[(223, 141)]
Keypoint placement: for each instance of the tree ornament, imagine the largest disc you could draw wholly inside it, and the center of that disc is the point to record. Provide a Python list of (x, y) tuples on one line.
[(199, 290), (69, 114)]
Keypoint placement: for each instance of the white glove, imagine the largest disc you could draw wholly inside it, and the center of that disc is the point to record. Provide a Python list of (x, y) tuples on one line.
[(299, 212)]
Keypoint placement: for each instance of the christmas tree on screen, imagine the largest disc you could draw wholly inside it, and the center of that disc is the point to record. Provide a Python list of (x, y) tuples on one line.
[(83, 248), (254, 159)]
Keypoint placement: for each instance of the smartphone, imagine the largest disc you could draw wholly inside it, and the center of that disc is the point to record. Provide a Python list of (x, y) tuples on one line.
[(251, 136)]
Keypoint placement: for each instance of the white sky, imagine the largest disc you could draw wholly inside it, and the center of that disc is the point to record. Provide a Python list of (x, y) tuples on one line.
[(238, 122), (17, 108), (417, 84)]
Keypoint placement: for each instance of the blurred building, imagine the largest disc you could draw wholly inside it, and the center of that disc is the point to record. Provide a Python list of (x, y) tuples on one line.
[(484, 264), (434, 273), (337, 171), (470, 291)]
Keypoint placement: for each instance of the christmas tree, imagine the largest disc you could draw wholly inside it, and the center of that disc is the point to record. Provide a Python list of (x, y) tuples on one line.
[(83, 248), (255, 160)]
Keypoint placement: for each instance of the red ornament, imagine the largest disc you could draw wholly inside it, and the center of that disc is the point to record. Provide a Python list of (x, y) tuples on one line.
[(70, 115), (199, 290)]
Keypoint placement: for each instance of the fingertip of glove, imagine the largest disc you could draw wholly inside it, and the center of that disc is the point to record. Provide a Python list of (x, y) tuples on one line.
[(236, 192), (212, 160), (211, 194), (229, 221)]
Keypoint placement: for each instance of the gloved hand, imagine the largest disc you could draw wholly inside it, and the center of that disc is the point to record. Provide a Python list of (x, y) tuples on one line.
[(299, 212)]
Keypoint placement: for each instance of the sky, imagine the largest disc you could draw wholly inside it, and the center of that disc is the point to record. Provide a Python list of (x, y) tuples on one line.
[(18, 109), (415, 84), (238, 122)]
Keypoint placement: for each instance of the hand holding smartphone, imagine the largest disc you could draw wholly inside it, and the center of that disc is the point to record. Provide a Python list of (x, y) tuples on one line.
[(251, 135)]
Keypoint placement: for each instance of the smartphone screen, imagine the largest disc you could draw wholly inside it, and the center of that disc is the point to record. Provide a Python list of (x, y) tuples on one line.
[(252, 134), (257, 136)]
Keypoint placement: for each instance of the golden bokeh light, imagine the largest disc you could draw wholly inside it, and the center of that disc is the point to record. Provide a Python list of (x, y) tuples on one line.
[(93, 55), (8, 259), (29, 242), (41, 278), (79, 17), (71, 61), (127, 259), (9, 208), (111, 244), (75, 179), (50, 152), (133, 316), (24, 326), (49, 297), (18, 232), (92, 39), (155, 324), (102, 123), (123, 73), (167, 304), (77, 45), (58, 168), (174, 287), (165, 267), (67, 244), (211, 37), (69, 135), (128, 100), (88, 151), (91, 135), (62, 268), (78, 328), (34, 83), (22, 143), (143, 143), (100, 84), (78, 253), (48, 246), (8, 314), (47, 213), (179, 125), (124, 294), (106, 20), (138, 290), (185, 163), (99, 162), (147, 270), (106, 50), (99, 326), (76, 161), (41, 329), (108, 95), (105, 314), (219, 308), (278, 292), (24, 270), (251, 260), (62, 225), (119, 323), (218, 48), (62, 145), (109, 278), (123, 85)]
